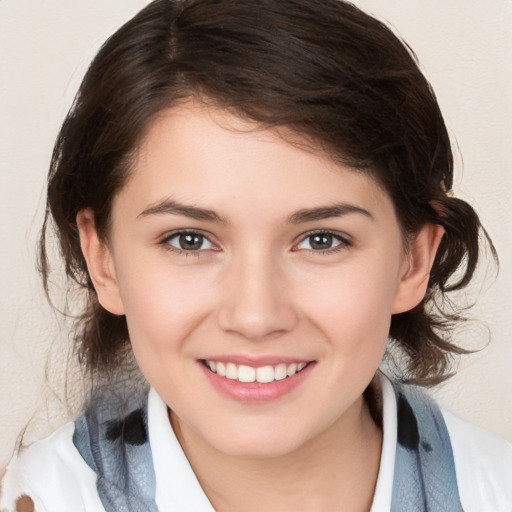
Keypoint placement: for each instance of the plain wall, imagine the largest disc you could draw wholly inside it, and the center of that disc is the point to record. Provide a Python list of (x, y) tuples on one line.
[(465, 49)]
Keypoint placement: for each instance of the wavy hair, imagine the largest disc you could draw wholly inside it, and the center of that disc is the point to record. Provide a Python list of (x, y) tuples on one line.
[(322, 68)]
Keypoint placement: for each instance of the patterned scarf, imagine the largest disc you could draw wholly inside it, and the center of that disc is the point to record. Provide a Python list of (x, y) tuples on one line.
[(424, 479), (112, 437)]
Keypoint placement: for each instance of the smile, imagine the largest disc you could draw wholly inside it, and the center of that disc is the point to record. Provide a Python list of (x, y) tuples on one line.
[(262, 374)]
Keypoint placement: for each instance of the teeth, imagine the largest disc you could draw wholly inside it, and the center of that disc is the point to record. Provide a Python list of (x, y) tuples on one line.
[(262, 374), (246, 374), (265, 374), (292, 369), (221, 369), (231, 371), (281, 372)]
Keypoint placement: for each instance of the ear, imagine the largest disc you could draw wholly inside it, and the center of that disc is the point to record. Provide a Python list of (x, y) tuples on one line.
[(419, 259), (99, 262)]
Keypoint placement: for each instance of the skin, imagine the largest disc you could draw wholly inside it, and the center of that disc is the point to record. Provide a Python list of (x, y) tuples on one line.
[(257, 287)]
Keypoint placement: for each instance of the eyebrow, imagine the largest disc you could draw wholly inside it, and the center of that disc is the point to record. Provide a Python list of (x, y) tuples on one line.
[(169, 206), (326, 212)]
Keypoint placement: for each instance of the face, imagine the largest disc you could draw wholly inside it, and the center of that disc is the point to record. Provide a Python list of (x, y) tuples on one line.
[(258, 280)]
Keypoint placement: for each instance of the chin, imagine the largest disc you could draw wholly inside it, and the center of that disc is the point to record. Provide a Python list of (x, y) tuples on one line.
[(259, 448), (258, 441)]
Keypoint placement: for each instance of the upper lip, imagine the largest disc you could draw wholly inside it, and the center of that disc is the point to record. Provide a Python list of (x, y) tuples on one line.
[(256, 362)]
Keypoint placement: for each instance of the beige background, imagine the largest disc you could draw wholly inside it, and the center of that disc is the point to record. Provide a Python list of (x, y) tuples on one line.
[(465, 47)]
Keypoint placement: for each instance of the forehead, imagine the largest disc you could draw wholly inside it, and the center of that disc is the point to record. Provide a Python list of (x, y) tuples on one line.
[(201, 154)]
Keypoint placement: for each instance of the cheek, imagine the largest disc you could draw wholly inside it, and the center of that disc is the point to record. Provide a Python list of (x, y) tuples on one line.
[(355, 298), (352, 308), (162, 311), (162, 306)]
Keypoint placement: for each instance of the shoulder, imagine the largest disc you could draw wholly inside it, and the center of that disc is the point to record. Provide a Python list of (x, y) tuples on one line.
[(483, 464), (482, 461), (53, 474)]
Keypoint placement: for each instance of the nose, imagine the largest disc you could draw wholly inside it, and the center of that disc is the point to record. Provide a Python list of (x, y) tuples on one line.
[(256, 302)]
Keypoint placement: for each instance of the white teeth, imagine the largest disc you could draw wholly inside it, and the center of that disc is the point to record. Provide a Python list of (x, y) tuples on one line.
[(292, 369), (246, 374), (280, 372), (231, 371), (221, 369), (262, 374), (265, 374)]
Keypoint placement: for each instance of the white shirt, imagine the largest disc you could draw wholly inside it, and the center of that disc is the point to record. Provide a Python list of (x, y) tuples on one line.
[(55, 476)]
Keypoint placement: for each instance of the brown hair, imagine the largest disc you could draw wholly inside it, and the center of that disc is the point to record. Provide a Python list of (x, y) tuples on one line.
[(323, 68)]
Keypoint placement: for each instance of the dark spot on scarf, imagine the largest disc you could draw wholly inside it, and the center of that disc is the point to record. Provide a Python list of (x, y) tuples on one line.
[(426, 446), (24, 504), (408, 435), (130, 430)]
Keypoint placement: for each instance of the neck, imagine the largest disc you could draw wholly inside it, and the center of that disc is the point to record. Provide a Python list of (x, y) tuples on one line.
[(340, 466)]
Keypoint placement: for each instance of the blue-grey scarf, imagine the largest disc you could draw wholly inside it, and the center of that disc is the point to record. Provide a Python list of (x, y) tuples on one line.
[(112, 437), (424, 479)]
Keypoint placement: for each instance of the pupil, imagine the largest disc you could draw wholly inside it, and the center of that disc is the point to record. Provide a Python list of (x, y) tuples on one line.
[(191, 242), (321, 241)]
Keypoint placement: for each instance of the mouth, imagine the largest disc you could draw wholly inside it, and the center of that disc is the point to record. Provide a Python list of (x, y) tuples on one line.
[(249, 374)]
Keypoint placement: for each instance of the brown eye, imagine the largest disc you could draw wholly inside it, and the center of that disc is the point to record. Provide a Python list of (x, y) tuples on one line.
[(323, 242), (189, 241)]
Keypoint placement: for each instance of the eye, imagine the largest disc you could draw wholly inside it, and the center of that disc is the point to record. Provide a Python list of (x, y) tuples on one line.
[(189, 241), (322, 241)]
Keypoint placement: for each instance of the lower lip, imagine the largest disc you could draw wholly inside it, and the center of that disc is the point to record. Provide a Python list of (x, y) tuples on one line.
[(256, 391)]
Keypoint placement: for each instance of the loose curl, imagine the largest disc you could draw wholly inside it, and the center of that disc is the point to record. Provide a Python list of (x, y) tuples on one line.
[(321, 68)]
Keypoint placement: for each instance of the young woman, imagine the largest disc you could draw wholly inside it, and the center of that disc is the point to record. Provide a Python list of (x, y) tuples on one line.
[(255, 197)]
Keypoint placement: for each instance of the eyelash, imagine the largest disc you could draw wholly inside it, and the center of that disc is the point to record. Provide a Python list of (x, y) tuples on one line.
[(344, 242)]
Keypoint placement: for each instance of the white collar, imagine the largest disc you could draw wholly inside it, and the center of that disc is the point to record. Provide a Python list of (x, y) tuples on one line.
[(383, 489), (177, 487)]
